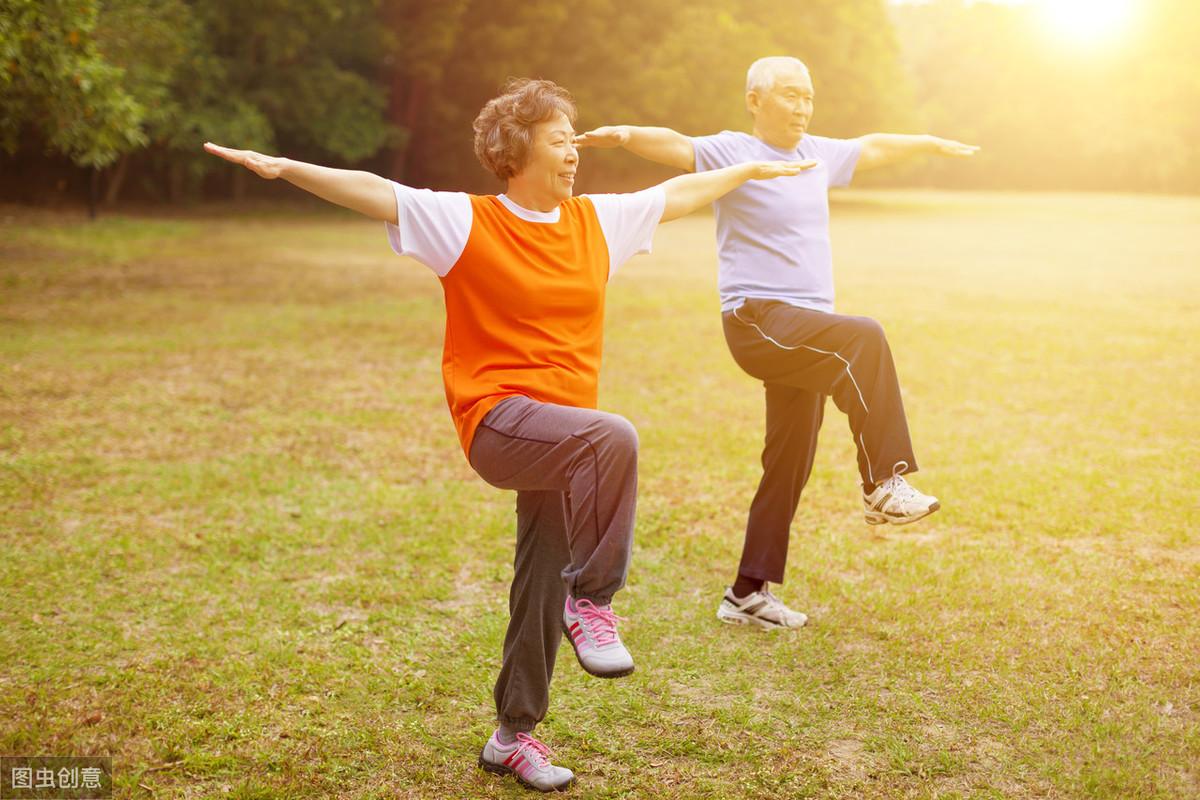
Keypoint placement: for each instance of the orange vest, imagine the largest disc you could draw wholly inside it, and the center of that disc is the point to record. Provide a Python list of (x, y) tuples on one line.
[(524, 311)]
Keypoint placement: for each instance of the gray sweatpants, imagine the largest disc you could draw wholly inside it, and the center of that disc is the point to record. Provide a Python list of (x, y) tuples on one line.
[(575, 472)]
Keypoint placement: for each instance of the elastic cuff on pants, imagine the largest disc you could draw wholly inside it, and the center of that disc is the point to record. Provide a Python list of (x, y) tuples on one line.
[(594, 598), (521, 725), (762, 575), (901, 467)]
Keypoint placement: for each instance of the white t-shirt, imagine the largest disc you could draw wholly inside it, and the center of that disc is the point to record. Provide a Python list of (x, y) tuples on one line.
[(433, 227)]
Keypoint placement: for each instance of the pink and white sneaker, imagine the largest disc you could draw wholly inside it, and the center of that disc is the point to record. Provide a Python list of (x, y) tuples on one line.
[(592, 630), (528, 760)]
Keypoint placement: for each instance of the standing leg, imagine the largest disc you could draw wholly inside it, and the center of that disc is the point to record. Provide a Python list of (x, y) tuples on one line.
[(535, 603), (793, 421)]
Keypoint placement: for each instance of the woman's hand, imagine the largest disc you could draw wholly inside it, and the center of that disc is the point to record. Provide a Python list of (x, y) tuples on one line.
[(686, 193), (369, 195), (951, 148), (764, 170), (268, 167)]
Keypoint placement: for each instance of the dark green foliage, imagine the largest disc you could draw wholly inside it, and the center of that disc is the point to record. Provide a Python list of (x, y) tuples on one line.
[(55, 81), (96, 80)]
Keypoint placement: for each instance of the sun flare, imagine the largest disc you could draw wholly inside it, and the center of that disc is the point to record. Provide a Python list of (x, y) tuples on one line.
[(1086, 20)]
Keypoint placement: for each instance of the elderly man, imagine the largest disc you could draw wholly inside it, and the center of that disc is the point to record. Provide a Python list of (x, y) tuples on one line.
[(776, 285)]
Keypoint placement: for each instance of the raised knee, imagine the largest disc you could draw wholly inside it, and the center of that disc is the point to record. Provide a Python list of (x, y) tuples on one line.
[(869, 328), (620, 433), (625, 434)]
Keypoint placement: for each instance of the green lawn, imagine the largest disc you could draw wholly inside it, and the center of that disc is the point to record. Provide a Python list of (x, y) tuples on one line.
[(244, 556)]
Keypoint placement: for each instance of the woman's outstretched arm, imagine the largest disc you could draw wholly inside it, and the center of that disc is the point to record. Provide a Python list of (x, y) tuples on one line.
[(686, 193), (364, 192)]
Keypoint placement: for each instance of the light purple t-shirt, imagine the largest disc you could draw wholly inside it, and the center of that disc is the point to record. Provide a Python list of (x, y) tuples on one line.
[(773, 236)]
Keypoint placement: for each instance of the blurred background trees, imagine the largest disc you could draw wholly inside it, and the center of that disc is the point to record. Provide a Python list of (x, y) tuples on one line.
[(118, 95), (1052, 107), (138, 85)]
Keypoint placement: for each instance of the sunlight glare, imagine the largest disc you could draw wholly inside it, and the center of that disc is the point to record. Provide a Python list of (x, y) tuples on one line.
[(1086, 20)]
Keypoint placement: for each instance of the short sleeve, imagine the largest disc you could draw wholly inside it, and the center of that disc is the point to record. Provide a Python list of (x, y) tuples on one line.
[(717, 151), (628, 222), (432, 227), (839, 155)]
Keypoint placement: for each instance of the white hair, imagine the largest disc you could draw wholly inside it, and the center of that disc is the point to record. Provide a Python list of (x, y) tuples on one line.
[(762, 73)]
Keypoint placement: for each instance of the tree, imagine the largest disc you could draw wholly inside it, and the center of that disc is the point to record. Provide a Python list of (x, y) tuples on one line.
[(147, 81), (56, 86), (226, 70), (169, 69), (664, 62), (425, 34)]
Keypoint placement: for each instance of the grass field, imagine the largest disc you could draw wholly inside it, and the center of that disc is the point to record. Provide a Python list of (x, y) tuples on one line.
[(245, 556)]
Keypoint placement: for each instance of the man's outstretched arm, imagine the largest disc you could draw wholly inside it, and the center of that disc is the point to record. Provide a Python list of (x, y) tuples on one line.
[(881, 149), (364, 192), (661, 145)]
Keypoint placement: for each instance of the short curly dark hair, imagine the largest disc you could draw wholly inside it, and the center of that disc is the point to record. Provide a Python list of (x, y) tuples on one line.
[(504, 128)]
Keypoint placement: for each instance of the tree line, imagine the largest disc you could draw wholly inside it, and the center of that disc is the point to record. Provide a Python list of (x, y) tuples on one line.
[(114, 97)]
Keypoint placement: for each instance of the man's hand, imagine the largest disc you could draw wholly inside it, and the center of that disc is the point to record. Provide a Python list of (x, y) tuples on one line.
[(661, 145), (605, 137), (268, 167), (764, 170), (882, 149), (949, 147)]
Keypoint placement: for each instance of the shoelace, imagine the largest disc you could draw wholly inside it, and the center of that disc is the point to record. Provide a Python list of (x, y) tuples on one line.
[(774, 601), (600, 620), (900, 488), (536, 752)]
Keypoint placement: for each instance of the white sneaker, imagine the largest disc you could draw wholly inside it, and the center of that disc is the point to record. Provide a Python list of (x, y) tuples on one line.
[(592, 630), (759, 608), (528, 760), (897, 502)]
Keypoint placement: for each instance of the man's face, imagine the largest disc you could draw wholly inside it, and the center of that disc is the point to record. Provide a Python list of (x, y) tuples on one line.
[(553, 158), (782, 113)]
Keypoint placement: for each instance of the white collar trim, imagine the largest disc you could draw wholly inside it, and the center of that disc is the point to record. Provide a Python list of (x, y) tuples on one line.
[(527, 214)]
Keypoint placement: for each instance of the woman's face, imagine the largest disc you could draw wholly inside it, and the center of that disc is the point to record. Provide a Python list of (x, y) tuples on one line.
[(553, 158)]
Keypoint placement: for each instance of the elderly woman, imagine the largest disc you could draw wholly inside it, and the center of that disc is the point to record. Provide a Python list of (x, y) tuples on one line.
[(524, 275)]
